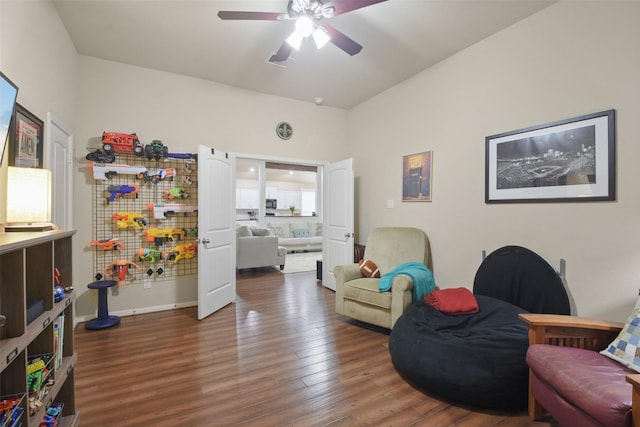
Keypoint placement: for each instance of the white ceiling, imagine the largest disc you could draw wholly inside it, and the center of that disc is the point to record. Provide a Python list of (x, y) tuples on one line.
[(399, 37)]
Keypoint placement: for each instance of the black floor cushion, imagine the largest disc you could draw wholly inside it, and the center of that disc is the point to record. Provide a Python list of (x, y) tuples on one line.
[(479, 359), (476, 359)]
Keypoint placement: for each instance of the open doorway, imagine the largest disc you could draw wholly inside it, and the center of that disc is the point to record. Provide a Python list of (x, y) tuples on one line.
[(283, 197)]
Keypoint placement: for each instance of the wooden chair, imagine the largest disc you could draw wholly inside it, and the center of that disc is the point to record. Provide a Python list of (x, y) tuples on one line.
[(576, 332)]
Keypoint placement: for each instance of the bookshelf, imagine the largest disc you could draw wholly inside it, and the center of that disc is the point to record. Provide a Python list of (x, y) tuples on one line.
[(28, 264)]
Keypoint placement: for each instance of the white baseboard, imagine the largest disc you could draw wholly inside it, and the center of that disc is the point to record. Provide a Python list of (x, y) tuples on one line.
[(123, 313)]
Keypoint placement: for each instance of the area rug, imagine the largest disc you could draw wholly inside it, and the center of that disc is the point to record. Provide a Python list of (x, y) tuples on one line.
[(301, 261)]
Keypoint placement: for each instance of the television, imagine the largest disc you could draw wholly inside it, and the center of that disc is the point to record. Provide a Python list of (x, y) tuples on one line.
[(272, 203), (8, 95)]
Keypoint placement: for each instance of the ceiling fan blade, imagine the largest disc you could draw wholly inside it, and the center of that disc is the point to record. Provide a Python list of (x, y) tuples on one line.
[(344, 6), (252, 16), (342, 41), (282, 54)]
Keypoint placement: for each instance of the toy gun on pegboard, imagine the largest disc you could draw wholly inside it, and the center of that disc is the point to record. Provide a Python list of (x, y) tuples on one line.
[(116, 191), (126, 219)]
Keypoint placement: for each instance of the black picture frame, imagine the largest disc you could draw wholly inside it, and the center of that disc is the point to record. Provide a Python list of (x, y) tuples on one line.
[(570, 160), (26, 139)]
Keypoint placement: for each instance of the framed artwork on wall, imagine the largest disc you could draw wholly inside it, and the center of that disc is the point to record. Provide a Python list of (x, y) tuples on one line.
[(570, 160), (416, 177), (26, 139)]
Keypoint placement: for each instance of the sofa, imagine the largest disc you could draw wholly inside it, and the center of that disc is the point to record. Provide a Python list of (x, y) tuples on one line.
[(256, 247), (298, 235)]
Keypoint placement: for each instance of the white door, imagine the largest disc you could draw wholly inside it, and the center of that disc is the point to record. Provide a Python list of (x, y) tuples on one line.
[(216, 230), (59, 160), (338, 217)]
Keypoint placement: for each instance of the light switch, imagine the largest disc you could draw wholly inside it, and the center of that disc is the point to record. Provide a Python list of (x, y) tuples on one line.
[(390, 203)]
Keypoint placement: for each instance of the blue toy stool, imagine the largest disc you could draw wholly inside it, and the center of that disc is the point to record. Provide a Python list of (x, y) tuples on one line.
[(103, 320)]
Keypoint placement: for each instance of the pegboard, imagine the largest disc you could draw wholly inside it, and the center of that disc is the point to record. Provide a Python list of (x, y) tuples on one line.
[(145, 218)]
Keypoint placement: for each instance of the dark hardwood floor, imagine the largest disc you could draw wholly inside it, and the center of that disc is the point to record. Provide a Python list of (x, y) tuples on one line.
[(279, 356)]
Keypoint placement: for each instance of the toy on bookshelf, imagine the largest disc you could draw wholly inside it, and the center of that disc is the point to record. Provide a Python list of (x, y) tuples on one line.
[(184, 251), (120, 268), (11, 410), (108, 244), (59, 290), (117, 191), (126, 219)]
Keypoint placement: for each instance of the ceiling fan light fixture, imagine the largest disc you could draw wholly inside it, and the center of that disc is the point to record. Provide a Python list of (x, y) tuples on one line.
[(304, 26), (295, 40), (321, 37), (328, 11)]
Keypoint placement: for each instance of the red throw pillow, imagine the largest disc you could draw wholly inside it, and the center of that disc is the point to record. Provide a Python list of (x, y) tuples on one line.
[(369, 268)]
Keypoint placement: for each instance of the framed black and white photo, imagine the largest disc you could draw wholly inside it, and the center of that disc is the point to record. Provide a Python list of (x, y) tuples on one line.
[(26, 138), (570, 160)]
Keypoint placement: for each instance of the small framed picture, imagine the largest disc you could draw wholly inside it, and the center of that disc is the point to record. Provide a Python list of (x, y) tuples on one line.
[(26, 139), (416, 177), (570, 160)]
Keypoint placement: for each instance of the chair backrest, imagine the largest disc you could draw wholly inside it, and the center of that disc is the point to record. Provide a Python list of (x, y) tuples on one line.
[(388, 247), (521, 277)]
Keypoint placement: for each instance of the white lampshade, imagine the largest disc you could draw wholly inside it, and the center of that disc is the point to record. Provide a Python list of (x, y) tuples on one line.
[(295, 40), (321, 37), (28, 199)]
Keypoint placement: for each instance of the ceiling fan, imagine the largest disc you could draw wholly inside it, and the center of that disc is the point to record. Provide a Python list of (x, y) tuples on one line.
[(309, 16)]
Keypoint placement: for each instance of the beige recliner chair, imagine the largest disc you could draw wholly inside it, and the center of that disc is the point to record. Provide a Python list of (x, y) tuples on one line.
[(358, 297)]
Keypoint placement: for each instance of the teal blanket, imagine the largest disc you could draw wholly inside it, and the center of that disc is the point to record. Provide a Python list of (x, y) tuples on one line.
[(423, 281)]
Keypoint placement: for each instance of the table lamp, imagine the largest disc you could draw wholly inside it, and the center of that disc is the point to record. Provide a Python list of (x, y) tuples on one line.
[(28, 199)]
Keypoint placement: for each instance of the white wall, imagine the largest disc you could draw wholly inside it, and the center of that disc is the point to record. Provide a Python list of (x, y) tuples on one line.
[(38, 56), (570, 59), (183, 112)]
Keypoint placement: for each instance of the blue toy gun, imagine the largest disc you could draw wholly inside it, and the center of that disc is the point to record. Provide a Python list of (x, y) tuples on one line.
[(116, 191)]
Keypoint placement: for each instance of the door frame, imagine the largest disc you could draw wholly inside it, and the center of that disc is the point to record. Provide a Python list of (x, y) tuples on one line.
[(319, 164), (60, 195)]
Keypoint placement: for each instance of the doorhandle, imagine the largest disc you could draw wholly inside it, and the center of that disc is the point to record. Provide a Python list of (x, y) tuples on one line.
[(206, 241)]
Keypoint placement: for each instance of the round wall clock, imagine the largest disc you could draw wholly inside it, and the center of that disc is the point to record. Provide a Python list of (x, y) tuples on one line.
[(284, 130)]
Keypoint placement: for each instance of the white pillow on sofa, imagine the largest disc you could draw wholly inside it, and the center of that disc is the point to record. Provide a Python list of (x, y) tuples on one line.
[(244, 231)]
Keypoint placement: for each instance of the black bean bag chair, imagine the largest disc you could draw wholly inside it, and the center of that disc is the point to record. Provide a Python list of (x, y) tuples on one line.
[(479, 359)]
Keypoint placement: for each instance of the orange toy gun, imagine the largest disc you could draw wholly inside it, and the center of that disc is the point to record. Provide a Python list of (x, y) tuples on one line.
[(107, 245), (120, 268)]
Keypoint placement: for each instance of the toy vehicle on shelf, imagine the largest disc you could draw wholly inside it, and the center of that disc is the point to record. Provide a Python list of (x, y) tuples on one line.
[(122, 143)]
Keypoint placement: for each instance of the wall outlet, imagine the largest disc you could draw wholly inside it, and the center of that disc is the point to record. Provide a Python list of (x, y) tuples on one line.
[(146, 283)]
